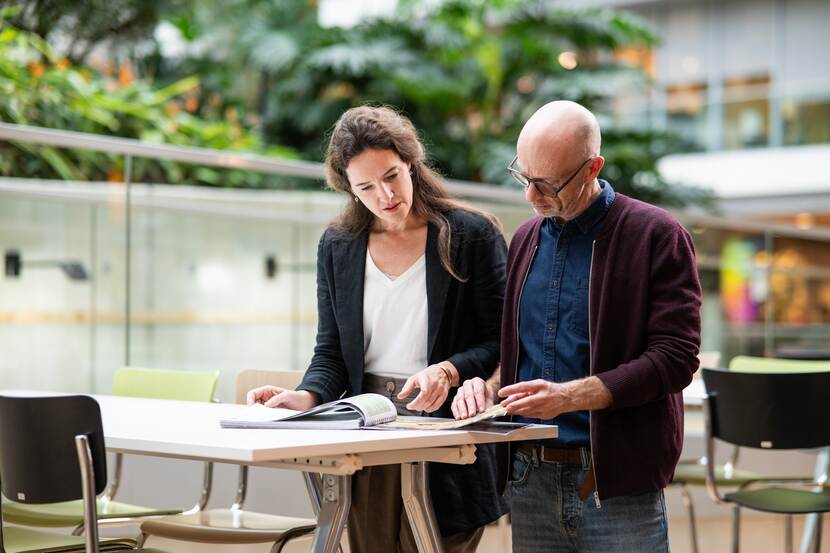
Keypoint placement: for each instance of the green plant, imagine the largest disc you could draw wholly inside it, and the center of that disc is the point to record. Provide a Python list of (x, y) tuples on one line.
[(38, 87), (468, 72)]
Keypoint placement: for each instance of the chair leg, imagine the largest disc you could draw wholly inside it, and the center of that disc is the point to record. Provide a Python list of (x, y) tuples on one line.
[(817, 534), (690, 510), (788, 534), (287, 537), (808, 534), (736, 529)]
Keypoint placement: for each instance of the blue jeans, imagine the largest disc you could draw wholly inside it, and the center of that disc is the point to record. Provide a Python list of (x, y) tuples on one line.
[(548, 516)]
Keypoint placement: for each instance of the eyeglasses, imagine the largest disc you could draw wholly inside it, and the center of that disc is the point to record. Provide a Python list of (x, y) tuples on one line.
[(542, 185)]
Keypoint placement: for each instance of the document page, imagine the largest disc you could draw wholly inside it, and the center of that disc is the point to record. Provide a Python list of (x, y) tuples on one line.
[(375, 408), (429, 423)]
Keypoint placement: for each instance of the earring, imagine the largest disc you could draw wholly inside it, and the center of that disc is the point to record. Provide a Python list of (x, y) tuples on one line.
[(355, 199)]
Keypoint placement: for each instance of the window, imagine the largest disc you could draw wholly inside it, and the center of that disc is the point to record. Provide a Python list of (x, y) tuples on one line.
[(806, 121), (686, 113), (746, 112)]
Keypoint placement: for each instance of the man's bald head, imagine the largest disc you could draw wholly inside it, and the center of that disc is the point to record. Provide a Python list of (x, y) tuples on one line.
[(558, 132), (559, 145)]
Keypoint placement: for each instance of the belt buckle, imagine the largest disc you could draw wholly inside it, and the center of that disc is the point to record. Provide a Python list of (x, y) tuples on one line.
[(542, 456)]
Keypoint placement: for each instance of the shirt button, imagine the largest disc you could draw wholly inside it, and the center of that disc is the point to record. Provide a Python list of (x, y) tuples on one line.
[(555, 282), (550, 326)]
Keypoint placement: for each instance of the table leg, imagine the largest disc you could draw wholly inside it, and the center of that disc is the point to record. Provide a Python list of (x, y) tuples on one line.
[(416, 499), (334, 509), (313, 485)]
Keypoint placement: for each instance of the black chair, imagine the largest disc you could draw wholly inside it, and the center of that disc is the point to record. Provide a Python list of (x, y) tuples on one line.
[(773, 411), (52, 449)]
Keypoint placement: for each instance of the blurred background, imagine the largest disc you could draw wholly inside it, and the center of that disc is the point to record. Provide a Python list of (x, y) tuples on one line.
[(192, 244), (718, 110)]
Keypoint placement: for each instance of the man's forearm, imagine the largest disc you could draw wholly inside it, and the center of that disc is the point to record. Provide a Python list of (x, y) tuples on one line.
[(586, 394)]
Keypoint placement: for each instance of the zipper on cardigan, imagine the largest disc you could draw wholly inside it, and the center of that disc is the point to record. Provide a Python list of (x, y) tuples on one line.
[(590, 373)]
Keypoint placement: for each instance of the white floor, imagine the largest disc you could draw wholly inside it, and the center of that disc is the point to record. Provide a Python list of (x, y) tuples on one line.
[(759, 534), (176, 483)]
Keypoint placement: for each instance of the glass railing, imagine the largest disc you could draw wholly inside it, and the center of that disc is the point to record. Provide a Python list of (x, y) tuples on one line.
[(98, 275)]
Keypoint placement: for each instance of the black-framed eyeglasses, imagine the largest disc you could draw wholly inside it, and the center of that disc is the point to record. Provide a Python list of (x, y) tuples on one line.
[(542, 185)]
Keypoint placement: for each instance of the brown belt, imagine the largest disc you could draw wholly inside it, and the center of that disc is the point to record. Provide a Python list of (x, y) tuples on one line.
[(568, 456)]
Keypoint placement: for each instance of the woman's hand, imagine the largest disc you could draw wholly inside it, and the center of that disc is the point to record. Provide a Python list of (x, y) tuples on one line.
[(434, 385), (274, 396), (472, 398)]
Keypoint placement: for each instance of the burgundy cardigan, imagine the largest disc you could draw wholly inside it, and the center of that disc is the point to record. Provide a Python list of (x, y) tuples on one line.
[(644, 327)]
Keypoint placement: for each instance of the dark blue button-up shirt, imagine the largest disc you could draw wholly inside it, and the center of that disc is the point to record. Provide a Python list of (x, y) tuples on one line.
[(553, 314)]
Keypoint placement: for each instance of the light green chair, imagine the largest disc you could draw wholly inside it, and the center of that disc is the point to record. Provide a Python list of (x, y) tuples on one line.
[(127, 382), (25, 540), (746, 363), (165, 384), (693, 472), (774, 365)]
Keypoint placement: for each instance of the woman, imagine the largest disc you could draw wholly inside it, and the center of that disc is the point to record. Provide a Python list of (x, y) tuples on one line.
[(409, 296)]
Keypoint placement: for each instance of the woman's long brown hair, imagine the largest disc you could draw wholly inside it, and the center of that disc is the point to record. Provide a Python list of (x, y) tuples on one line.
[(382, 128)]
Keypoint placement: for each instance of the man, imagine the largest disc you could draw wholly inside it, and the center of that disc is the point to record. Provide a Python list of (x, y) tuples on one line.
[(600, 333)]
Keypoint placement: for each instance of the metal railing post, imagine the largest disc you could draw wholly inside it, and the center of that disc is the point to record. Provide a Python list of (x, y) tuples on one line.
[(128, 170)]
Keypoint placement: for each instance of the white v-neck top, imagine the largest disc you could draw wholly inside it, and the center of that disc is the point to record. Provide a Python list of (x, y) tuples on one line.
[(395, 320)]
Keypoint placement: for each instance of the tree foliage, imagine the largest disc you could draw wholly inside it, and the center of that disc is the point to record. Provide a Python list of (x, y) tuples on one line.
[(39, 87), (468, 72), (80, 26)]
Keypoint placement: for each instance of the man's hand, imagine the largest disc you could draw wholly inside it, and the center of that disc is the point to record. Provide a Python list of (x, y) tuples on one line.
[(434, 386), (274, 396), (541, 399), (538, 399), (473, 397)]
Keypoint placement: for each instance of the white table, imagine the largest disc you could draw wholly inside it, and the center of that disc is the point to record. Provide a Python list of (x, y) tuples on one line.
[(189, 430), (694, 393)]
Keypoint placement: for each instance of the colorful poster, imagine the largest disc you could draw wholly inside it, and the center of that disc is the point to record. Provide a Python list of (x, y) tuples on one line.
[(736, 278)]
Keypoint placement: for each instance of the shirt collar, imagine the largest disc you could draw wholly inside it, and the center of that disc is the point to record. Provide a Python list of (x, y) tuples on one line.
[(591, 217)]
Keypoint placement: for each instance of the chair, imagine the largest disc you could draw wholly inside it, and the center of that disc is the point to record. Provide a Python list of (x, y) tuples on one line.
[(52, 450), (236, 525), (129, 382), (772, 411), (692, 472)]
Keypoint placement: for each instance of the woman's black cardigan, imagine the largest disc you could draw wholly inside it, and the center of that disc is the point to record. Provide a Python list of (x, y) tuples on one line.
[(464, 326)]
